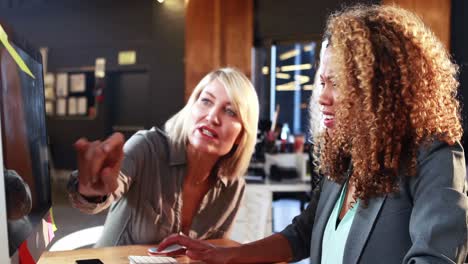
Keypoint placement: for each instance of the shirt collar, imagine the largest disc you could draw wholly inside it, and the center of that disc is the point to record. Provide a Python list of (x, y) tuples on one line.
[(220, 179), (224, 180)]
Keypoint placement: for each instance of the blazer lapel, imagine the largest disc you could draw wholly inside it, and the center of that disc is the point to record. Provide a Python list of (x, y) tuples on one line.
[(324, 209), (361, 228)]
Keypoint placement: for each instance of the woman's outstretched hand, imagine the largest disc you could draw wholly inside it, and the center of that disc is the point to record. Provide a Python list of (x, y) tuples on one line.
[(99, 165), (198, 249)]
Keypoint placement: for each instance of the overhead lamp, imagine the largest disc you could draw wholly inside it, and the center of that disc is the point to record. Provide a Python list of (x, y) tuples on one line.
[(301, 78), (309, 48), (281, 75), (308, 87), (289, 54), (290, 86), (296, 67)]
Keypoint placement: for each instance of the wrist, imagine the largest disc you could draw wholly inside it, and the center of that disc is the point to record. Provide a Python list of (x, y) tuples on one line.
[(233, 254), (91, 197), (94, 199)]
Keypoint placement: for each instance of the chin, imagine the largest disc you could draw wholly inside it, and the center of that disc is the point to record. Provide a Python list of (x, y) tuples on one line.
[(204, 148)]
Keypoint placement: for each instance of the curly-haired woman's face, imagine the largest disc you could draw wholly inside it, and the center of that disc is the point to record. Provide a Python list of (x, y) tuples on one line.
[(328, 93)]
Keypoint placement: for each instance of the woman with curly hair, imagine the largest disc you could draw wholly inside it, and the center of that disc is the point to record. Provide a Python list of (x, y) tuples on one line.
[(395, 186)]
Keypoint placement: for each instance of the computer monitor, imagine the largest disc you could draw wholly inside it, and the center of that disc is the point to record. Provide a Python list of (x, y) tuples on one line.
[(23, 145)]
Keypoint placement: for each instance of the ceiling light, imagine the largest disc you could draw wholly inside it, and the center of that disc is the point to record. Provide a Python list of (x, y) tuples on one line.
[(308, 87), (297, 67), (301, 78), (285, 76), (290, 86), (289, 54)]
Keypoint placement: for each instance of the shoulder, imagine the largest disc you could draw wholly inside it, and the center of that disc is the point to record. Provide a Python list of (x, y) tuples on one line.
[(444, 161), (153, 135), (440, 166), (439, 202), (436, 150), (152, 140)]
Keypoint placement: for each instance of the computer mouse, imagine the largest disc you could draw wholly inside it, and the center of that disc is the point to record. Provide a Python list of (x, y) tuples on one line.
[(169, 249)]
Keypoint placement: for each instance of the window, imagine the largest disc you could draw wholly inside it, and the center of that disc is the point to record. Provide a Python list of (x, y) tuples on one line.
[(285, 73)]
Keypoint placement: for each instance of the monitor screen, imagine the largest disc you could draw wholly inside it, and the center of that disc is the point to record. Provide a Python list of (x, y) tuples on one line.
[(24, 141)]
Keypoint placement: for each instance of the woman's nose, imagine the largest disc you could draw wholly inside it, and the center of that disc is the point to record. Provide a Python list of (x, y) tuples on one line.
[(326, 96), (212, 116)]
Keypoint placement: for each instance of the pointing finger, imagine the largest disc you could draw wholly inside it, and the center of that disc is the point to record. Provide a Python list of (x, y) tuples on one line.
[(114, 142)]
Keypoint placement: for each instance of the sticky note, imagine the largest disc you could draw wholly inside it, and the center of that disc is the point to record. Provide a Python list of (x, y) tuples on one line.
[(127, 57), (13, 53)]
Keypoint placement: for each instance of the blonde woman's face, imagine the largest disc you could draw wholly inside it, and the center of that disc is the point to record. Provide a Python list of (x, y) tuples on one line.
[(328, 95), (216, 124)]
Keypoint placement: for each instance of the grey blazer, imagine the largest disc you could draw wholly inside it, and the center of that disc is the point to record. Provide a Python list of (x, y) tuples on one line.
[(425, 222)]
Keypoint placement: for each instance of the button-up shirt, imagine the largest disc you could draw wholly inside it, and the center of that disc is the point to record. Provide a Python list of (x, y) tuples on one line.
[(146, 206)]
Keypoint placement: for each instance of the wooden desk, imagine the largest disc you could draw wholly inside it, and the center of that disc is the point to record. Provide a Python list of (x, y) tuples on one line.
[(113, 255)]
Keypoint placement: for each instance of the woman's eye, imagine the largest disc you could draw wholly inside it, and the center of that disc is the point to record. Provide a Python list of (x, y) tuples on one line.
[(332, 81), (230, 112), (205, 101)]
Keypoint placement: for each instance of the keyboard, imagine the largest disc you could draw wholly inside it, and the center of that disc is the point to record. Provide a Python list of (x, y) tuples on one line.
[(151, 260)]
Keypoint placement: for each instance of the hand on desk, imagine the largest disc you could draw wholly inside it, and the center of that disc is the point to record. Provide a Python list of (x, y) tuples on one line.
[(172, 249), (99, 165), (197, 249)]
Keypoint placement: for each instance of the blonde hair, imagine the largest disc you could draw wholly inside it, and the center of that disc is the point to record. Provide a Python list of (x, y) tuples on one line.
[(397, 91), (244, 100)]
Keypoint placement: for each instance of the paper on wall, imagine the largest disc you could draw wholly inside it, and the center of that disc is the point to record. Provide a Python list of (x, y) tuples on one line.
[(62, 84), (82, 105), (78, 82), (61, 107), (72, 105)]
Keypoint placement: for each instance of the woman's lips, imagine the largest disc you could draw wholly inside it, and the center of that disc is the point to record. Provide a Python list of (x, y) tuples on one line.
[(207, 132), (329, 122)]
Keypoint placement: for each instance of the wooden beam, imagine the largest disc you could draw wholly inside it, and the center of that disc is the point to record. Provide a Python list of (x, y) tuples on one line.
[(218, 33), (435, 14)]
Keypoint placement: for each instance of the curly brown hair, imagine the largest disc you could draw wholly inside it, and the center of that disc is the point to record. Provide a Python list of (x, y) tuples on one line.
[(397, 92)]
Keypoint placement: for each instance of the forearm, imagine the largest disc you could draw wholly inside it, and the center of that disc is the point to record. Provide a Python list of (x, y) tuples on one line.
[(88, 206), (274, 248)]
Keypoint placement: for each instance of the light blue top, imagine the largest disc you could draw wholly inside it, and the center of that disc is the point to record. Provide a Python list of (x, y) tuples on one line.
[(334, 237)]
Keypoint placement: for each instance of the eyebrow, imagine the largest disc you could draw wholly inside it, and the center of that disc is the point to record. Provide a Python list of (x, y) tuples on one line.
[(326, 76), (210, 94), (229, 103)]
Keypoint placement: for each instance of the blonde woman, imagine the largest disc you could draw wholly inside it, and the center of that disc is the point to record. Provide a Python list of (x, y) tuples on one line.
[(394, 190), (186, 178)]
